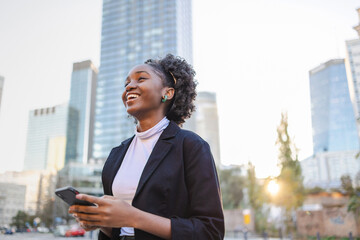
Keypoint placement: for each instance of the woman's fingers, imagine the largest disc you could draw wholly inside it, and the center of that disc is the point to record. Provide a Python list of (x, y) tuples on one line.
[(88, 217), (92, 199)]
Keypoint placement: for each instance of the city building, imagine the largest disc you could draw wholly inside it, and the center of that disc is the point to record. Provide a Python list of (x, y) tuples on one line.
[(31, 180), (326, 168), (82, 99), (132, 32), (335, 141), (352, 62), (332, 115), (1, 88), (207, 122), (46, 137), (12, 200)]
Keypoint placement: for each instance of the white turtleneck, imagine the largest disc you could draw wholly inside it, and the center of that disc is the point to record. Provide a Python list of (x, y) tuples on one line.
[(136, 157)]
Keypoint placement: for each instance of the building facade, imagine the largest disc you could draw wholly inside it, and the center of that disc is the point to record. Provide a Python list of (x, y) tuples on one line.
[(31, 180), (12, 200), (332, 115), (335, 138), (82, 99), (2, 79), (207, 122), (325, 169), (132, 32), (46, 137), (352, 62)]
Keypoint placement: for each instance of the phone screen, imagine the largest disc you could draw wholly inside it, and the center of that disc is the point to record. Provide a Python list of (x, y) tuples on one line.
[(68, 194)]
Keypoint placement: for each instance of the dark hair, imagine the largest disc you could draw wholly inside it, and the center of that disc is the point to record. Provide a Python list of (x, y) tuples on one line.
[(168, 68)]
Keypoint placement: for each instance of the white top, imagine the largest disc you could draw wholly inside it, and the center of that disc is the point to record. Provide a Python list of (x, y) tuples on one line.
[(128, 176)]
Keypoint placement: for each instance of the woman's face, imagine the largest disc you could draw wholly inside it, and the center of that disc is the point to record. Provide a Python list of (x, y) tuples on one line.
[(143, 92)]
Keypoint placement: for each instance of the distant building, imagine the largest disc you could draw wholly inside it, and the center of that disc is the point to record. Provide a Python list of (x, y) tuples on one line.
[(326, 168), (335, 138), (1, 88), (326, 214), (82, 99), (207, 122), (31, 180), (12, 200), (352, 63), (332, 115), (46, 137), (132, 32)]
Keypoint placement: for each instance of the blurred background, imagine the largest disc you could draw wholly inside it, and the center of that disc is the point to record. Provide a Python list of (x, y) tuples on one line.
[(278, 102)]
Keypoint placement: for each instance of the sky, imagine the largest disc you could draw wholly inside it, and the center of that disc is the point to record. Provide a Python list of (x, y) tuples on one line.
[(254, 54)]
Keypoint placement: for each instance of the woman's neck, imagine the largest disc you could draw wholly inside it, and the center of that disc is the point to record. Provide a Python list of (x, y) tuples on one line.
[(147, 123)]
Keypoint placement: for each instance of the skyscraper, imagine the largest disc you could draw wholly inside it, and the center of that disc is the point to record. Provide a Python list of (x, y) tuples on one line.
[(333, 120), (352, 62), (46, 137), (1, 88), (335, 138), (132, 32), (82, 99), (207, 122)]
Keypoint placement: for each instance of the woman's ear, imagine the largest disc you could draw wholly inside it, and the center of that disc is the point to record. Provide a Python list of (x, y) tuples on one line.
[(169, 92)]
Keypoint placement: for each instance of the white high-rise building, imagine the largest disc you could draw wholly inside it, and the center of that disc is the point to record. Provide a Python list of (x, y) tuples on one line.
[(352, 64), (1, 88), (207, 122), (46, 137)]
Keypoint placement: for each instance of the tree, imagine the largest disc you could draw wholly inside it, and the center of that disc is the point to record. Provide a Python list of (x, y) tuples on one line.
[(257, 198), (21, 219), (290, 180), (231, 184), (354, 194)]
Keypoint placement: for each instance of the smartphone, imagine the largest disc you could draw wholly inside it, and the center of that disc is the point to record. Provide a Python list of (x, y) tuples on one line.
[(68, 194)]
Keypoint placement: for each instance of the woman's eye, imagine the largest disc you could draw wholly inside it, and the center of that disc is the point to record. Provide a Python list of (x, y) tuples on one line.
[(126, 84)]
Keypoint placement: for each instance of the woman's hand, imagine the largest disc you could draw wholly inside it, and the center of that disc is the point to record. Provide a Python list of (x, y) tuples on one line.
[(109, 212)]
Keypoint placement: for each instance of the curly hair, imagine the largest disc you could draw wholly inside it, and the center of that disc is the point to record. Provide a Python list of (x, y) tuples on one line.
[(168, 68)]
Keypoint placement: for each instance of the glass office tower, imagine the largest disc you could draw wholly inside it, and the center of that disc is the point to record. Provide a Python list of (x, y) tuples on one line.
[(333, 120), (82, 99), (132, 32)]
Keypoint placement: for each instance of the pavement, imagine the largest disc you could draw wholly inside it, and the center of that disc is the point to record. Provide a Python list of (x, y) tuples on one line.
[(43, 236)]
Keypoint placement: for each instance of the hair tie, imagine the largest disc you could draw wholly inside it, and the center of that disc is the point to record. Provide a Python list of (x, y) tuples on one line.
[(173, 76)]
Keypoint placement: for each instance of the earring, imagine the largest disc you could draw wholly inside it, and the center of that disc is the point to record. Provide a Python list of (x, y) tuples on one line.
[(164, 98)]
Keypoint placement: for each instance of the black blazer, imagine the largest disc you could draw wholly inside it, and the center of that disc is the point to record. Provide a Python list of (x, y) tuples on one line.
[(179, 182)]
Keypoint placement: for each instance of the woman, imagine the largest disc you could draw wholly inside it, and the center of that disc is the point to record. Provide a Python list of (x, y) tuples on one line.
[(162, 182)]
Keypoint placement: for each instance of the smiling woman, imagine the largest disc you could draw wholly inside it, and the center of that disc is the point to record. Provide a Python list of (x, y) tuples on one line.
[(162, 182)]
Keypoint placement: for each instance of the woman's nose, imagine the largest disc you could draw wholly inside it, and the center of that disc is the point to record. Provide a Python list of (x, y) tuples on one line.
[(131, 85)]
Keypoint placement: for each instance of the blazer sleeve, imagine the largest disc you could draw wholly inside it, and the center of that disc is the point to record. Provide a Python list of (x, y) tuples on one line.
[(102, 236), (206, 219)]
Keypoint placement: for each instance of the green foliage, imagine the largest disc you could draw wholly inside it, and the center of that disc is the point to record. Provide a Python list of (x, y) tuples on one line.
[(257, 199), (354, 193), (231, 184), (346, 184), (314, 190), (20, 219), (292, 193)]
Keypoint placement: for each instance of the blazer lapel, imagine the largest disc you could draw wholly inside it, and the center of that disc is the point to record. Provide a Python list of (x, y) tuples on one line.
[(119, 157), (161, 149)]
